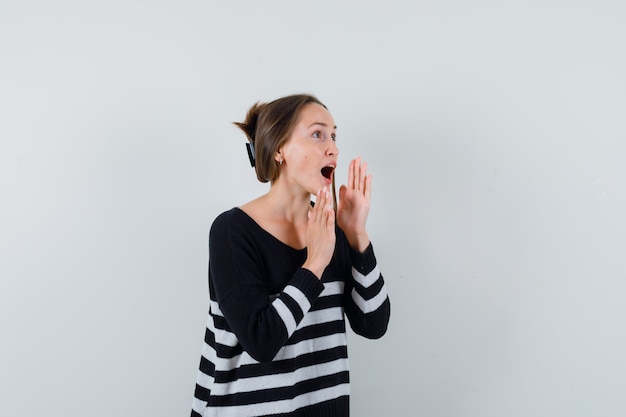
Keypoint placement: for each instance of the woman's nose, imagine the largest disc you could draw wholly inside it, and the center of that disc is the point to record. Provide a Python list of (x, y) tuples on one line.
[(332, 149)]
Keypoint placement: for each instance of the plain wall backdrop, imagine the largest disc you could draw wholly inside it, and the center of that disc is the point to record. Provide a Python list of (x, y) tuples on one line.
[(496, 134)]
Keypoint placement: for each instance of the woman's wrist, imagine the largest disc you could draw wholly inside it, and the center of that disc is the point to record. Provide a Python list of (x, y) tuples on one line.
[(359, 242), (316, 269)]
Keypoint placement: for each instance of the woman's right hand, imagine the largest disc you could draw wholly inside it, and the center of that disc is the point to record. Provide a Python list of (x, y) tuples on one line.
[(320, 237)]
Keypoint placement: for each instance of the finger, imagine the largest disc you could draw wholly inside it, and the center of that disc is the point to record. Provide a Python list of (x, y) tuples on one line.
[(362, 176), (312, 215), (368, 187), (315, 210), (323, 199), (351, 175), (329, 200), (330, 219), (319, 201), (357, 173)]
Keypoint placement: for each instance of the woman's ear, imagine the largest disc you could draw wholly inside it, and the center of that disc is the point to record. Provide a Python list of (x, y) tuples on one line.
[(278, 156)]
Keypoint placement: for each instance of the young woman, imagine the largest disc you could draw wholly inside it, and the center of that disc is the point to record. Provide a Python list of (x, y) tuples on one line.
[(284, 273)]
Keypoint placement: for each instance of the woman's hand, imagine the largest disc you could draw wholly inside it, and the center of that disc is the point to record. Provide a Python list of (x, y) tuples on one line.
[(354, 205), (320, 236)]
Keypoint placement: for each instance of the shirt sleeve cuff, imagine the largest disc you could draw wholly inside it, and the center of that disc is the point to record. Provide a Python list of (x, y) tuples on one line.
[(307, 282), (365, 261)]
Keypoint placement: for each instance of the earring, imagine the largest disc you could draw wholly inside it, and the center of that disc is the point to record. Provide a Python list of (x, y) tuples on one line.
[(280, 161)]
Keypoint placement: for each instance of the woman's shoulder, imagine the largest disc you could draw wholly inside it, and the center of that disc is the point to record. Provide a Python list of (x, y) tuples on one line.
[(233, 227), (233, 216), (254, 208)]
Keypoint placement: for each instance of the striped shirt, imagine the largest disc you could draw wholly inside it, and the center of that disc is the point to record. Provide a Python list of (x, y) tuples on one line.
[(275, 340)]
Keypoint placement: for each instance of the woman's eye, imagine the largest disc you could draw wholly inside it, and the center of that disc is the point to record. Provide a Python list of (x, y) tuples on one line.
[(320, 135)]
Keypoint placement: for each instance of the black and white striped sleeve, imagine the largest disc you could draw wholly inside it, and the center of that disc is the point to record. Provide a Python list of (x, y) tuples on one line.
[(367, 302)]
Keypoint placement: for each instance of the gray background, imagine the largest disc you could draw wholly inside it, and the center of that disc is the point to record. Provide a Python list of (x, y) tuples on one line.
[(495, 132)]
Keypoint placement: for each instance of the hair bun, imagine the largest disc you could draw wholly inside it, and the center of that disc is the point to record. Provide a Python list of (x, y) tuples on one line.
[(250, 122)]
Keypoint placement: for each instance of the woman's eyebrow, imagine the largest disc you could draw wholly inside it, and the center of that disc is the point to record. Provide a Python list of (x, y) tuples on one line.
[(321, 124)]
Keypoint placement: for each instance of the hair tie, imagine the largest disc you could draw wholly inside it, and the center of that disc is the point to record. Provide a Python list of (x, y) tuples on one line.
[(250, 148)]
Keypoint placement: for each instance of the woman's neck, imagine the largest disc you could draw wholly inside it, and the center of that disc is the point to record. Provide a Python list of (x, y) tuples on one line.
[(288, 203)]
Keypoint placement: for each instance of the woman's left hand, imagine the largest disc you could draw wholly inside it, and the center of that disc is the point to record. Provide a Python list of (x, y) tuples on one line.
[(354, 205)]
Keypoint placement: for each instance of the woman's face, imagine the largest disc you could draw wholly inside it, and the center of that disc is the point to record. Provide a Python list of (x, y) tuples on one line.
[(310, 153)]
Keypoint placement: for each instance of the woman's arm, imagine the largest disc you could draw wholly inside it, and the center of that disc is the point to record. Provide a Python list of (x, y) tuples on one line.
[(237, 275), (367, 304)]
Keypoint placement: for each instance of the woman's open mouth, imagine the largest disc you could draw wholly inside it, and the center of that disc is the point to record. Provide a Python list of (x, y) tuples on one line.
[(327, 172)]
